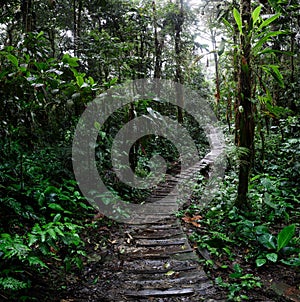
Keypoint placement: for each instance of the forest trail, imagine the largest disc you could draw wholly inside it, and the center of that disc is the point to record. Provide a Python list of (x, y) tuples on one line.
[(157, 261)]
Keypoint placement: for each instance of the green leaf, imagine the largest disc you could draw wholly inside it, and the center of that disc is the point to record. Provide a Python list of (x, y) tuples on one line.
[(268, 21), (267, 240), (256, 14), (97, 125), (113, 81), (41, 33), (261, 229), (84, 206), (36, 229), (228, 25), (57, 217), (13, 59), (51, 189), (43, 237), (79, 80), (235, 275), (56, 207), (75, 72), (259, 44), (52, 233), (291, 262), (274, 51), (12, 284), (255, 177), (33, 260), (273, 70), (260, 262), (277, 111), (32, 239), (272, 257), (238, 20), (9, 48), (59, 231), (73, 62), (69, 60), (170, 273), (285, 236), (91, 80), (277, 75)]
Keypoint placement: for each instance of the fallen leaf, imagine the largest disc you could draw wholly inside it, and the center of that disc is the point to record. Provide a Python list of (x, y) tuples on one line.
[(192, 220), (197, 225)]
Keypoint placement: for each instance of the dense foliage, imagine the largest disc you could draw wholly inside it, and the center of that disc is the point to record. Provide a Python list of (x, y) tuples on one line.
[(56, 56)]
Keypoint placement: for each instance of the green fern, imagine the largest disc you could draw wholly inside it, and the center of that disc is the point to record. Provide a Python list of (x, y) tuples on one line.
[(10, 283)]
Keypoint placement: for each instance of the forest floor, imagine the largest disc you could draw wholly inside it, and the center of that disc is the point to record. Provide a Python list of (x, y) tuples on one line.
[(104, 258)]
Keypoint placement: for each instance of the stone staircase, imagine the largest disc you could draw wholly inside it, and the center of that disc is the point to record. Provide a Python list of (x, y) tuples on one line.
[(158, 263)]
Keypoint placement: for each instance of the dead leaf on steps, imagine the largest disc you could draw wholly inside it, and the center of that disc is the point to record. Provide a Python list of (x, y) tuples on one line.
[(193, 220)]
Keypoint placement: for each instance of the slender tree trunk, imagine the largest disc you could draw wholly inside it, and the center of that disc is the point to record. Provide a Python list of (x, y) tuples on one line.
[(217, 80), (236, 80), (178, 58), (158, 43), (75, 27), (52, 36), (292, 102), (245, 115), (27, 16), (159, 40), (79, 15), (77, 12)]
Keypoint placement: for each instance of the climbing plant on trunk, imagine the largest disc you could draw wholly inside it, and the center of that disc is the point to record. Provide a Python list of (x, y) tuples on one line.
[(244, 113), (254, 36)]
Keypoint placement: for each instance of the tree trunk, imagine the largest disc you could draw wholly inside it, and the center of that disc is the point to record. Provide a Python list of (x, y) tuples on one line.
[(236, 80), (217, 80), (80, 7), (244, 114), (75, 27), (158, 43), (28, 16), (292, 104), (77, 12), (178, 58), (159, 40)]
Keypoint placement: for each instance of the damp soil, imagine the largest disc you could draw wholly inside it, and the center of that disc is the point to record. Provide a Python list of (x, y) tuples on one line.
[(104, 261)]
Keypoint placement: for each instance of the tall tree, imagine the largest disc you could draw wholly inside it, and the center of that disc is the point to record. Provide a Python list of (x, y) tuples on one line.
[(77, 14), (245, 110), (179, 20), (159, 40), (28, 15)]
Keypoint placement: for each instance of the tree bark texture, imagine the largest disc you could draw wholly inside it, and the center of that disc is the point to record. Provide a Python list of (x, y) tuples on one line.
[(245, 108), (178, 58)]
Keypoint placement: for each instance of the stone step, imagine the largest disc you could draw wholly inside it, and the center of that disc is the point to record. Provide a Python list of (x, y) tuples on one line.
[(160, 293), (157, 234), (188, 277), (160, 252), (157, 265), (169, 223), (162, 242), (162, 271)]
